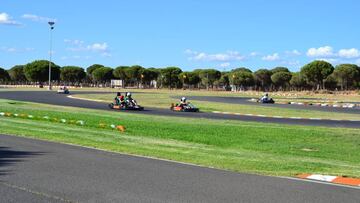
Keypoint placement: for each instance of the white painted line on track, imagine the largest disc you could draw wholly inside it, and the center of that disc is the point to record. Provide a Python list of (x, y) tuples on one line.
[(261, 115)]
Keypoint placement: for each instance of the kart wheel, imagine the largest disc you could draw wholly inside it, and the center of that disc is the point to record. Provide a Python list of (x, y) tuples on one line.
[(111, 106)]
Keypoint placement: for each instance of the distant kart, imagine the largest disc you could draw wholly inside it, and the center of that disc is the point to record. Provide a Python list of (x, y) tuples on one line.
[(185, 108), (266, 101), (63, 90), (126, 107)]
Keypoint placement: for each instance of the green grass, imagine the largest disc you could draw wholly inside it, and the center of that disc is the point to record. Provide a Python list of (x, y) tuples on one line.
[(163, 99), (259, 148)]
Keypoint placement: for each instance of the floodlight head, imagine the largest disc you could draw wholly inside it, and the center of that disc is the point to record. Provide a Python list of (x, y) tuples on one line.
[(51, 23)]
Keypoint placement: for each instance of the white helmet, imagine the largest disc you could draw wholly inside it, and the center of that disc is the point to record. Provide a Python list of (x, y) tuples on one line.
[(128, 94), (183, 99)]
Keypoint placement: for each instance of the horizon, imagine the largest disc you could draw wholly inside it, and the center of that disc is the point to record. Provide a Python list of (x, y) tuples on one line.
[(189, 35)]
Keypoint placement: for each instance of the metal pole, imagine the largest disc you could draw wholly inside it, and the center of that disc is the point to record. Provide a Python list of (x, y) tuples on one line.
[(50, 53)]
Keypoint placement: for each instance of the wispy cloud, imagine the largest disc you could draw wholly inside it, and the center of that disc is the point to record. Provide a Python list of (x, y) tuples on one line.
[(79, 45), (5, 19), (16, 50), (349, 53), (219, 57), (293, 53), (225, 65), (271, 57), (37, 18)]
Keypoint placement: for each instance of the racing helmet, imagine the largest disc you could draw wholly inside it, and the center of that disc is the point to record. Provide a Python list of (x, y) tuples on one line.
[(128, 94), (118, 94), (266, 94), (183, 99)]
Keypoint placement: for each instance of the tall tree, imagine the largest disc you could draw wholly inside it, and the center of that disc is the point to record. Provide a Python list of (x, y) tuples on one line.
[(298, 81), (72, 74), (316, 72), (169, 77), (91, 69), (134, 74), (263, 78), (17, 73), (281, 79), (241, 69), (119, 73), (279, 69), (242, 78), (346, 75), (209, 76), (38, 71), (189, 78), (103, 74), (4, 75), (147, 75)]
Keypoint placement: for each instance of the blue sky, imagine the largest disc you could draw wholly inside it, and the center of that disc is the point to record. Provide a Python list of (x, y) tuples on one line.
[(188, 33)]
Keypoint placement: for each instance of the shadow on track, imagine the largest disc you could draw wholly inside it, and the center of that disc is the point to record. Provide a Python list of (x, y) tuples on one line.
[(10, 157)]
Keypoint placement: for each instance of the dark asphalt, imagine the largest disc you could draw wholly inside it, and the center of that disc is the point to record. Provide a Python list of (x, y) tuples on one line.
[(50, 97), (40, 171), (246, 100)]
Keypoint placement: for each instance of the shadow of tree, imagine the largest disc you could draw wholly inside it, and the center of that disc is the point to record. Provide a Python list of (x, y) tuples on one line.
[(9, 157)]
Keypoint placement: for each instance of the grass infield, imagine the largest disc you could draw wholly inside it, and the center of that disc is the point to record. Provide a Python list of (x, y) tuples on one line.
[(270, 149)]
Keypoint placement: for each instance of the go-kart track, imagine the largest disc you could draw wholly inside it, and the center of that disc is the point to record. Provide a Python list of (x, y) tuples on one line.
[(49, 97), (40, 171)]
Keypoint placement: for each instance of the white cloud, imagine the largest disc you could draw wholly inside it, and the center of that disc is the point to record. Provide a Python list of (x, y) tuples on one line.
[(221, 57), (79, 45), (295, 63), (254, 53), (293, 53), (326, 51), (37, 18), (349, 53), (16, 50), (75, 57), (98, 47), (106, 54), (224, 65), (7, 20), (272, 57), (74, 42)]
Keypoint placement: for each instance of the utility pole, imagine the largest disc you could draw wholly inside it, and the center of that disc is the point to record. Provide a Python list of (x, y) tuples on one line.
[(50, 52)]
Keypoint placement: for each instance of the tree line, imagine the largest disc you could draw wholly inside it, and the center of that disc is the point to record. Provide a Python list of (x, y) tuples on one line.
[(312, 76)]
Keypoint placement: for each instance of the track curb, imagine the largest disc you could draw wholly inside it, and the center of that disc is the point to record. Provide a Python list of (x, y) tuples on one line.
[(331, 179)]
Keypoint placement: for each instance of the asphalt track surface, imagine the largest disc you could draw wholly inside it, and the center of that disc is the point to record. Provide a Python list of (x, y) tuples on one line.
[(50, 97), (246, 100), (40, 171)]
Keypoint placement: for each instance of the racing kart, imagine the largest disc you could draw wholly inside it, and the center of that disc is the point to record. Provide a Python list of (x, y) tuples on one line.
[(63, 90), (266, 101), (184, 108), (126, 106)]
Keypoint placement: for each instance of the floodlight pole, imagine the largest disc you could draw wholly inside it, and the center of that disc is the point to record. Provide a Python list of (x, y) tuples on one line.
[(50, 53)]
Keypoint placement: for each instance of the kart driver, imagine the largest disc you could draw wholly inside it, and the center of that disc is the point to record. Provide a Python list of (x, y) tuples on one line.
[(183, 102), (265, 97), (117, 98), (129, 100)]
